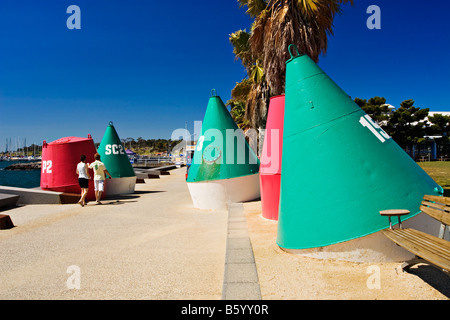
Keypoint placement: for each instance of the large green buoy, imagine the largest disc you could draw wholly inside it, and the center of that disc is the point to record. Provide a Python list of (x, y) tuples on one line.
[(339, 168), (113, 155), (224, 168)]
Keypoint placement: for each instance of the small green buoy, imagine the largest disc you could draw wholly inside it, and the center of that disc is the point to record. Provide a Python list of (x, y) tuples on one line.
[(113, 155), (224, 168)]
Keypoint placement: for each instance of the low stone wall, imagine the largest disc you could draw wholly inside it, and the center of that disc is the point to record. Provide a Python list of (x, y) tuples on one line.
[(33, 196)]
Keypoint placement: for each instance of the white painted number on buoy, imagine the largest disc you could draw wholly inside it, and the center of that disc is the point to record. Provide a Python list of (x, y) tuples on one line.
[(47, 166), (367, 122), (200, 143), (114, 149)]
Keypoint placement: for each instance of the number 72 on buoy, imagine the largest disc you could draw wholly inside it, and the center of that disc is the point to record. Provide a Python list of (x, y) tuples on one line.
[(366, 121)]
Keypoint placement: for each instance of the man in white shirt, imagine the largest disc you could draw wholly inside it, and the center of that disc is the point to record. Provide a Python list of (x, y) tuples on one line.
[(99, 177)]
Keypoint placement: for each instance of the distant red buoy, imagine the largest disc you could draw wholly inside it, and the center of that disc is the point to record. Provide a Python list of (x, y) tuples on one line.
[(270, 168), (59, 163)]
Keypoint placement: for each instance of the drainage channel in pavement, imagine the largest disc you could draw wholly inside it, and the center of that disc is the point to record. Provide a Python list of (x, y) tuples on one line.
[(240, 274)]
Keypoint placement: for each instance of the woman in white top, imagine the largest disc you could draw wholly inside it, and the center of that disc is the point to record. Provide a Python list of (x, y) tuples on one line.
[(83, 179)]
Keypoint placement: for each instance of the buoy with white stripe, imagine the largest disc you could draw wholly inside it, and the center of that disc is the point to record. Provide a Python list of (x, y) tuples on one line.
[(224, 168), (339, 168), (115, 158)]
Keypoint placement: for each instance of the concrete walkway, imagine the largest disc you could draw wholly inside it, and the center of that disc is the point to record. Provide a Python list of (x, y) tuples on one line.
[(149, 245), (240, 277), (155, 245)]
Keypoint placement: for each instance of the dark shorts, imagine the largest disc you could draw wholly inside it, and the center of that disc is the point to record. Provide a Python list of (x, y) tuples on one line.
[(84, 183)]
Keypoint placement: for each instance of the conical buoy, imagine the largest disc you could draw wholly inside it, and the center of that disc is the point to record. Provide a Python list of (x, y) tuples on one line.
[(339, 168), (270, 168), (224, 168), (59, 163), (113, 155)]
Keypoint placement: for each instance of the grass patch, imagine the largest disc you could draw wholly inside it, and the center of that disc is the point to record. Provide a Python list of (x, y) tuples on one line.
[(439, 171)]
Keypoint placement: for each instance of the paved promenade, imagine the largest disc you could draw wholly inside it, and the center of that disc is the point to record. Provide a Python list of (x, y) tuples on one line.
[(149, 245), (155, 245)]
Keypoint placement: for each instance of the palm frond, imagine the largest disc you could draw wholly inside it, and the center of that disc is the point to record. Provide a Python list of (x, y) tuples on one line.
[(257, 73), (277, 24), (240, 42), (241, 90), (254, 7)]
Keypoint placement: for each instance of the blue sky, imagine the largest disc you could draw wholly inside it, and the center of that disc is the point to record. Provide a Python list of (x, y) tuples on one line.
[(149, 66)]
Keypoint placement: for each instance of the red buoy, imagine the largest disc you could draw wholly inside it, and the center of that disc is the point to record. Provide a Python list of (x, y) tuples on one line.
[(270, 168), (59, 164)]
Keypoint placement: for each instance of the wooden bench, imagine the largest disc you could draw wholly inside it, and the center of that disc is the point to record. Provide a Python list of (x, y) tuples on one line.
[(435, 250)]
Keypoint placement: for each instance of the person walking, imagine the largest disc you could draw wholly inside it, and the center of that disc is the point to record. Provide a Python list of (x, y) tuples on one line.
[(83, 179), (99, 176)]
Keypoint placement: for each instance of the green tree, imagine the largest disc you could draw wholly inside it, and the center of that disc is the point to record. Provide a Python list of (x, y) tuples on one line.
[(238, 102), (407, 124), (241, 48), (251, 93), (238, 114), (376, 108), (440, 125), (141, 143), (128, 142)]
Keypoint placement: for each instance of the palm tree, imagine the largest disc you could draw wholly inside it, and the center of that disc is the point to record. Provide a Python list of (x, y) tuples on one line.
[(277, 24), (247, 93), (238, 103)]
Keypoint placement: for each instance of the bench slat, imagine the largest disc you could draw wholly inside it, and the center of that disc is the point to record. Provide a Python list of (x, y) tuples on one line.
[(442, 216), (433, 243), (435, 205), (438, 199), (401, 238), (425, 245)]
